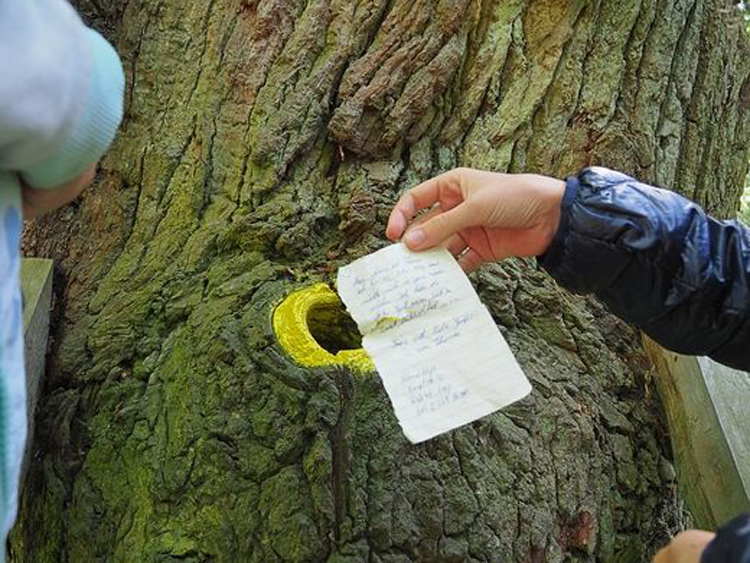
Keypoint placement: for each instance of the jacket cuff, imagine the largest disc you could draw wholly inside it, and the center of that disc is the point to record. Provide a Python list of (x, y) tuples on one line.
[(94, 129), (556, 250), (731, 544)]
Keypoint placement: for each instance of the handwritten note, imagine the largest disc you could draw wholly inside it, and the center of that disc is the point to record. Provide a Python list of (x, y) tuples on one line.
[(443, 360)]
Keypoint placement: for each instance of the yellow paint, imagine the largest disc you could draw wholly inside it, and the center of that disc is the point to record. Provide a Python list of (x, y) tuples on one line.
[(290, 326), (381, 324)]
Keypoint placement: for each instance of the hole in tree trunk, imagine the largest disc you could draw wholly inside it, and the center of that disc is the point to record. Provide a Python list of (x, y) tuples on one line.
[(332, 328), (314, 329)]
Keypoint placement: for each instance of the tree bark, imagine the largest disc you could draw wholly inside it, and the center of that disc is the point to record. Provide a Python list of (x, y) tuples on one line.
[(263, 146)]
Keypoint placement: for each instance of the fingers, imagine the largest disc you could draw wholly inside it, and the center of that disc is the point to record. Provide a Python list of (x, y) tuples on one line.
[(685, 547), (419, 197), (439, 228), (424, 217), (455, 245), (421, 219), (662, 556), (470, 260)]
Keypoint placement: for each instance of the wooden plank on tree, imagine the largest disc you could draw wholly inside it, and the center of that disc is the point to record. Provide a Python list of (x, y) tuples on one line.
[(36, 284), (707, 405)]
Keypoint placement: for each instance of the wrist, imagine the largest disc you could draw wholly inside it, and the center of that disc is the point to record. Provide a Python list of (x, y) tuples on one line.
[(38, 201), (550, 193), (558, 224)]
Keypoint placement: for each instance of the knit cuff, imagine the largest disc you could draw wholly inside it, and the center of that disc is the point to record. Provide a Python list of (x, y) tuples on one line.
[(96, 126)]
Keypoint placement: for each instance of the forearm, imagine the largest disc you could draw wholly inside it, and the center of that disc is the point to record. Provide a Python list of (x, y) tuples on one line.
[(657, 261), (60, 104), (38, 201)]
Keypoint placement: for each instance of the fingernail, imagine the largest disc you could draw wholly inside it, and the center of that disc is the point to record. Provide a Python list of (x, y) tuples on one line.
[(397, 225), (414, 238)]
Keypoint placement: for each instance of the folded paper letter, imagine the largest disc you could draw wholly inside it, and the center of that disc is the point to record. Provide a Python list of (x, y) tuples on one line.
[(443, 360)]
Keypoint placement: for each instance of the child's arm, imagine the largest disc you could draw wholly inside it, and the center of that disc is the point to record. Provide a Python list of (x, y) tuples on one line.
[(61, 91), (38, 201)]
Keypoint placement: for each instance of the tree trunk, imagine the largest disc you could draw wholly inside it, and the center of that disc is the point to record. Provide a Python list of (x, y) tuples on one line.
[(263, 146)]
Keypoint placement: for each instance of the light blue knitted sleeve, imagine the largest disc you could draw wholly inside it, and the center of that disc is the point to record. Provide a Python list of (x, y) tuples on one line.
[(95, 127), (13, 421)]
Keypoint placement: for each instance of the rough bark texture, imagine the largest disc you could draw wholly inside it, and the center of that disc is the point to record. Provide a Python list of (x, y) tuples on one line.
[(264, 144)]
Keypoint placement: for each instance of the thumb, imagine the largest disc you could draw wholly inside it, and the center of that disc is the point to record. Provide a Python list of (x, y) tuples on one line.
[(439, 228)]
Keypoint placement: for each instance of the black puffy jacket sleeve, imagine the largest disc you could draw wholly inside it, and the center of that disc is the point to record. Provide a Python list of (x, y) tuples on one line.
[(731, 544), (657, 261)]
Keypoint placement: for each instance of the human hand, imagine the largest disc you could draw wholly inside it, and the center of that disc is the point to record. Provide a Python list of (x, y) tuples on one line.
[(685, 547), (480, 216), (38, 201)]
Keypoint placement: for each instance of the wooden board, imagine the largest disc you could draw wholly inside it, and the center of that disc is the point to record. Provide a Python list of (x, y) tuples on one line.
[(36, 284), (708, 409)]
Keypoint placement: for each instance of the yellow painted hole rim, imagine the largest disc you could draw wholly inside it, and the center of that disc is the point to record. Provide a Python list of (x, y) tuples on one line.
[(290, 323)]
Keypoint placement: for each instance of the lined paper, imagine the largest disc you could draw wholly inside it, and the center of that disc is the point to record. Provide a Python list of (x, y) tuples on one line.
[(443, 361)]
